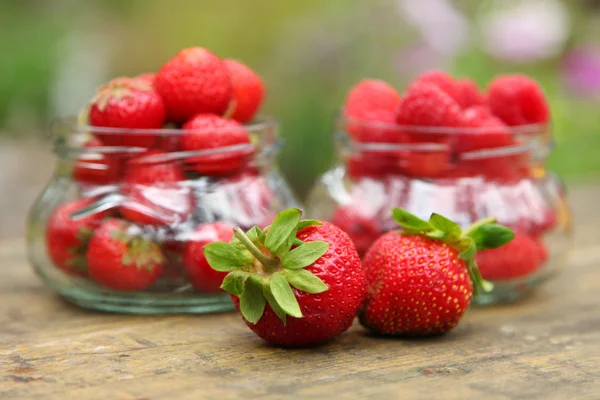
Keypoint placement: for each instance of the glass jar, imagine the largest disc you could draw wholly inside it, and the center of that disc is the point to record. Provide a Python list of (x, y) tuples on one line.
[(465, 174), (122, 224)]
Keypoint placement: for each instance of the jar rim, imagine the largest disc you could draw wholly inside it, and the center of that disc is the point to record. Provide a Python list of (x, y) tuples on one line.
[(72, 123), (345, 120)]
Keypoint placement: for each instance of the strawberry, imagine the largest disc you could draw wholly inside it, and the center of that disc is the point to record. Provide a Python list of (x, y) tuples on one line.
[(97, 168), (195, 81), (469, 94), (199, 273), (67, 238), (154, 190), (146, 77), (248, 90), (518, 100), (127, 103), (362, 229), (297, 283), (120, 258), (519, 258), (210, 132), (426, 105), (421, 279)]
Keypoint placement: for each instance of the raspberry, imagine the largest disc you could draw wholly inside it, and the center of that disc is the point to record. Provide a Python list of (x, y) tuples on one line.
[(442, 80), (518, 100), (484, 131), (427, 105), (469, 94)]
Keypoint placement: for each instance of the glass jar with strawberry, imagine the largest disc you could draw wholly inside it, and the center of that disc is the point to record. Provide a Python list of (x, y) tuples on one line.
[(157, 167), (444, 146)]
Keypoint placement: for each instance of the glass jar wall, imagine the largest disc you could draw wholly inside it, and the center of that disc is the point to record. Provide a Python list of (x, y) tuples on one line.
[(122, 224)]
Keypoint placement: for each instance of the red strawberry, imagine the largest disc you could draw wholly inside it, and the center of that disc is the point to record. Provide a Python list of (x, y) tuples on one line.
[(67, 238), (483, 131), (299, 284), (127, 103), (248, 90), (427, 105), (199, 273), (96, 168), (469, 94), (154, 191), (146, 77), (173, 251), (421, 280), (517, 259), (442, 80), (120, 258), (195, 81), (210, 132), (518, 100), (362, 229)]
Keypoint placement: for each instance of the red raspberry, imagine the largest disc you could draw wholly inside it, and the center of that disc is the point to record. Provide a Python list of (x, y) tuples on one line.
[(483, 131), (362, 229), (520, 257), (427, 105), (248, 90), (194, 81), (440, 79), (373, 101), (206, 132), (469, 94), (518, 100)]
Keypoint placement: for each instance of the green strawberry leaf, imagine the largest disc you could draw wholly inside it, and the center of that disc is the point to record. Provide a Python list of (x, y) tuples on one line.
[(450, 228), (273, 303), (304, 255), (284, 296), (305, 281), (308, 222), (234, 282), (225, 257), (282, 231), (469, 249), (491, 236), (252, 300), (297, 242), (254, 234), (127, 259), (409, 221)]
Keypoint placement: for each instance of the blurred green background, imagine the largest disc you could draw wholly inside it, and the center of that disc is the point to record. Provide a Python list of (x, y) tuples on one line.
[(56, 52)]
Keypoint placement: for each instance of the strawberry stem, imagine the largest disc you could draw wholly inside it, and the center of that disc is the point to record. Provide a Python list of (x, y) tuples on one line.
[(477, 224), (266, 261)]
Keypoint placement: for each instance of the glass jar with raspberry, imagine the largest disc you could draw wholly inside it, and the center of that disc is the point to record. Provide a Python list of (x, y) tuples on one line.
[(426, 152), (122, 225)]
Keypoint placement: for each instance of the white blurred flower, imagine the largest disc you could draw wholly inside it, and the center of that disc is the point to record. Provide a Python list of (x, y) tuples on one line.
[(525, 31), (442, 26)]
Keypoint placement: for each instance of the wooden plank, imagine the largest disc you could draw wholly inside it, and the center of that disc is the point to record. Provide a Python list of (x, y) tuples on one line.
[(546, 347)]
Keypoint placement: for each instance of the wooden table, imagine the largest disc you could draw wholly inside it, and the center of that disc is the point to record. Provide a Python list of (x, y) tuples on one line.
[(545, 347)]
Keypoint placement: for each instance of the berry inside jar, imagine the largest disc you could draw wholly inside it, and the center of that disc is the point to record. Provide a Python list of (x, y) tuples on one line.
[(446, 146)]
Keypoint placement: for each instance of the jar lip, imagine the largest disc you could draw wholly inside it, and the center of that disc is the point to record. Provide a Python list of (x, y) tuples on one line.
[(344, 120), (262, 123)]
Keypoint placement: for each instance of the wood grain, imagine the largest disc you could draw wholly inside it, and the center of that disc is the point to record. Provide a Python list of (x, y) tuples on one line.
[(545, 347)]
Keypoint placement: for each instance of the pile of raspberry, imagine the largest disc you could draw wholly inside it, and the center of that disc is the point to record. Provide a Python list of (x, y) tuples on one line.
[(166, 155), (445, 145), (444, 125)]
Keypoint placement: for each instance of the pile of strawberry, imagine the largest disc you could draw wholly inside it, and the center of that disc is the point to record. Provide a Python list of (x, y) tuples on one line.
[(444, 144), (167, 155), (301, 282), (443, 125)]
